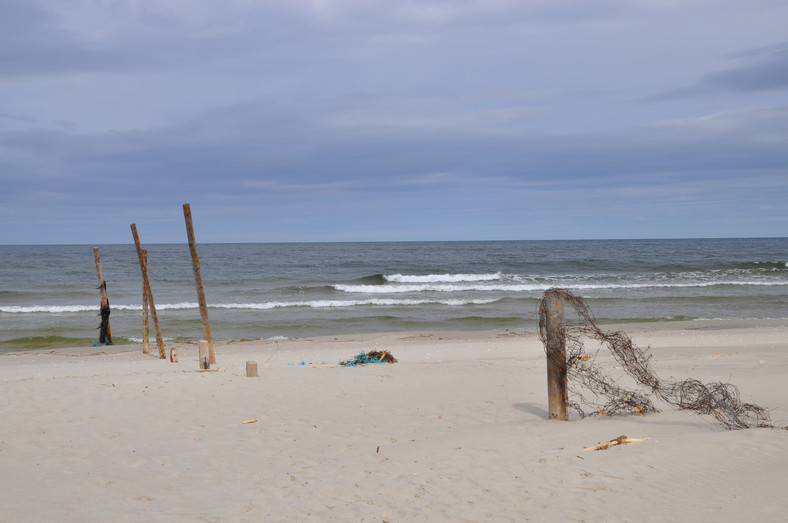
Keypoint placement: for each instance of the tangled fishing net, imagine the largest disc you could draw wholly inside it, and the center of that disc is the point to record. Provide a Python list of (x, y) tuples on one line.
[(104, 325), (596, 389), (375, 356), (104, 335)]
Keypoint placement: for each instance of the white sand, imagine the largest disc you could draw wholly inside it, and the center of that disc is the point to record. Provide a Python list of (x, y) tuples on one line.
[(456, 431)]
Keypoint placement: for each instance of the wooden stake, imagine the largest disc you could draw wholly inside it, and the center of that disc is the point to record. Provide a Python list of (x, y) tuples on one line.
[(147, 290), (206, 325), (174, 355), (205, 361), (103, 289), (251, 369), (145, 327), (555, 347)]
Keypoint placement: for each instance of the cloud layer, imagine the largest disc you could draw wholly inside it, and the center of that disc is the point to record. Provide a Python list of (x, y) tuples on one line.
[(328, 120)]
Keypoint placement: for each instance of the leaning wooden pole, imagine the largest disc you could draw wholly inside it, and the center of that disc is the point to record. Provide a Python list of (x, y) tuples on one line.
[(104, 301), (206, 324), (555, 346), (147, 290), (145, 324)]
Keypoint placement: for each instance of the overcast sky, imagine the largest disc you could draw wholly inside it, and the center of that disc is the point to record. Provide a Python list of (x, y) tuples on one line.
[(345, 120)]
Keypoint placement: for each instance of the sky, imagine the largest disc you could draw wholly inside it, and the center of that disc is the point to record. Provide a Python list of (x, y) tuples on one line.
[(392, 120)]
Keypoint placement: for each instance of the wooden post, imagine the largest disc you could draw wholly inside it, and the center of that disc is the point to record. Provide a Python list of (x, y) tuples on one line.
[(174, 355), (206, 325), (251, 369), (103, 289), (555, 348), (147, 290), (205, 359), (145, 327)]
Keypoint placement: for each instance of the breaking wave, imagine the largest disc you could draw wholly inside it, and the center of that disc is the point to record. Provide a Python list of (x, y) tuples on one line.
[(316, 304), (539, 287), (441, 278)]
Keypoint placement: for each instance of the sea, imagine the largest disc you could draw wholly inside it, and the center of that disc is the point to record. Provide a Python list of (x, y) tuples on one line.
[(49, 294)]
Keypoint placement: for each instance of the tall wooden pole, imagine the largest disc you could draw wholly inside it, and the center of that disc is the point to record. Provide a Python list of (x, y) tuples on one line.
[(555, 347), (206, 325), (145, 326), (103, 289), (147, 290)]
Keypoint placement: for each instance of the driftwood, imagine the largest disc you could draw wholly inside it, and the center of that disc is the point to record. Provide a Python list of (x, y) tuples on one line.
[(621, 440)]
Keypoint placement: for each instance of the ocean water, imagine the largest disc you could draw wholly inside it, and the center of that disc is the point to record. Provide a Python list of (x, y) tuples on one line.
[(49, 296)]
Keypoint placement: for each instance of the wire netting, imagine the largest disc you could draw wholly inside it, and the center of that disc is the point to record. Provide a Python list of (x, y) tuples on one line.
[(593, 391)]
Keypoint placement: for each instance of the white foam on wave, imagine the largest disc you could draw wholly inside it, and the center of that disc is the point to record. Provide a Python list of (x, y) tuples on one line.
[(437, 287), (671, 285), (177, 306), (441, 278), (536, 287), (51, 309), (63, 309), (319, 304), (315, 304), (402, 288)]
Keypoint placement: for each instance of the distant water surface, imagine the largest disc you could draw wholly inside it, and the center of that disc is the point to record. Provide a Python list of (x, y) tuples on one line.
[(48, 294)]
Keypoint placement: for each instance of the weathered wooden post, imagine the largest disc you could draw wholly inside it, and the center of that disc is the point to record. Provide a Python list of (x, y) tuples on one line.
[(145, 327), (205, 359), (251, 369), (555, 347), (206, 325), (147, 290), (103, 337)]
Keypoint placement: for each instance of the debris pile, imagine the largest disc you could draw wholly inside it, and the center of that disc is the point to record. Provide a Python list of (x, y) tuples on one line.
[(375, 356)]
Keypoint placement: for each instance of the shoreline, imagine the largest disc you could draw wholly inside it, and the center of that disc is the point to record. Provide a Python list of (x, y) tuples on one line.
[(456, 430), (625, 326)]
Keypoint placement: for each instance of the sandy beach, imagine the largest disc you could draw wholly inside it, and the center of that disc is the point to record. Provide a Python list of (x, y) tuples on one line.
[(457, 430)]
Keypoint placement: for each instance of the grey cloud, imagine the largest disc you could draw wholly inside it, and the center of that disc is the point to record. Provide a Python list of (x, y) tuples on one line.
[(21, 19), (760, 69), (227, 151), (231, 36), (16, 117), (767, 70)]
